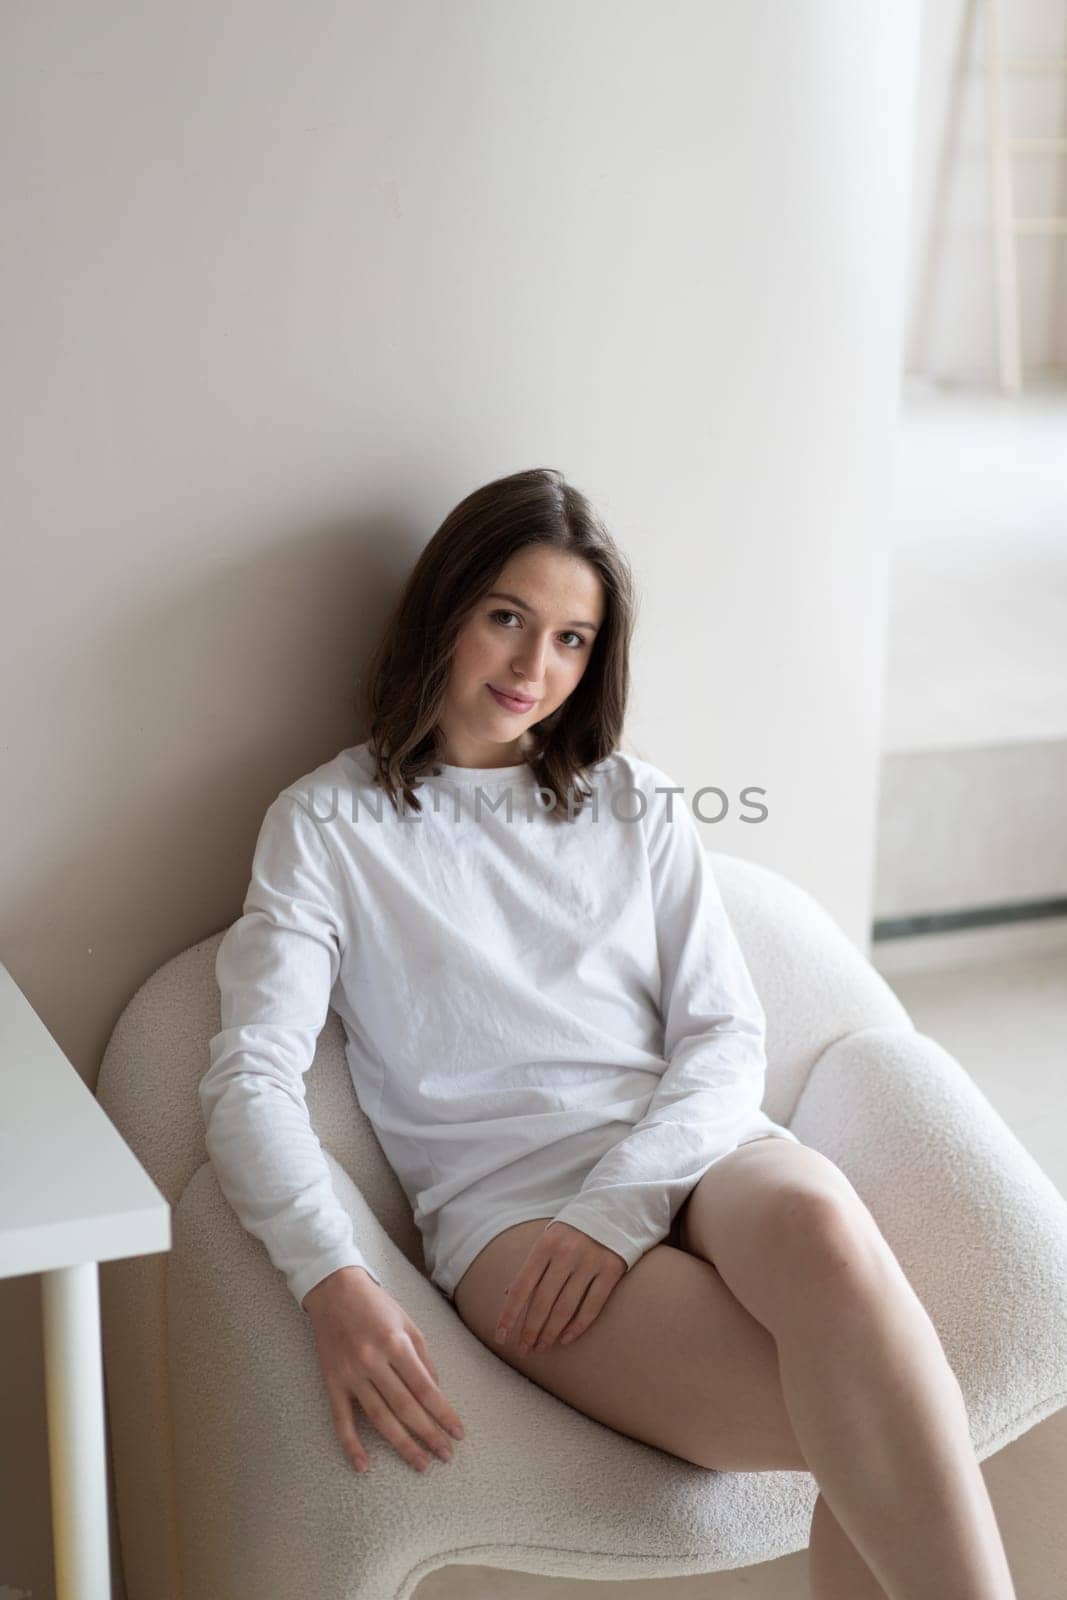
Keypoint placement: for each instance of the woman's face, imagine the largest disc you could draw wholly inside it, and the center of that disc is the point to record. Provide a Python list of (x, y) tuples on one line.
[(538, 649)]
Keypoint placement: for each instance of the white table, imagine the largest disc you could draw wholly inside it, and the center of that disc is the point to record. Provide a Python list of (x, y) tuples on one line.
[(72, 1194)]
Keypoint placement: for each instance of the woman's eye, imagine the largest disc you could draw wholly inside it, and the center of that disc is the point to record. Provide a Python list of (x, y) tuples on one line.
[(570, 634)]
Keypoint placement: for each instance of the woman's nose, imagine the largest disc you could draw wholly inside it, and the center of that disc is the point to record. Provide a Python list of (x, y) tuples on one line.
[(530, 661)]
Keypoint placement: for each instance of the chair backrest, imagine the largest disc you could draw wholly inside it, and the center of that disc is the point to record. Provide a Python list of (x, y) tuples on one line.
[(815, 986)]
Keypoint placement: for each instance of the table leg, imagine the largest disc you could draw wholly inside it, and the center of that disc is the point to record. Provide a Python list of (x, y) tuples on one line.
[(74, 1387)]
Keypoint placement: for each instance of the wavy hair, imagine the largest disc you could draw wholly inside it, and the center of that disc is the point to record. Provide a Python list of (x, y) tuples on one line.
[(408, 673)]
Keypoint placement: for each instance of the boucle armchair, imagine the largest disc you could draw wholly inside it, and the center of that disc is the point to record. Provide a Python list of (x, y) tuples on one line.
[(230, 1483)]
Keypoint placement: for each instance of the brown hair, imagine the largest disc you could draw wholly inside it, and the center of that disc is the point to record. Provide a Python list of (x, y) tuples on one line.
[(408, 673)]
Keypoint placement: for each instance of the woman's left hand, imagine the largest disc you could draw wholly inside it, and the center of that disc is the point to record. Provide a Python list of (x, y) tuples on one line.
[(564, 1269)]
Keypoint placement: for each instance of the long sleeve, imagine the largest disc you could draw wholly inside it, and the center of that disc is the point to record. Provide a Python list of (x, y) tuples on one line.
[(714, 1033), (276, 968)]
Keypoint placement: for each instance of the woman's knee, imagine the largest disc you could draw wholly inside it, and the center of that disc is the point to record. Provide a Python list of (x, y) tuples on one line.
[(771, 1217), (829, 1249)]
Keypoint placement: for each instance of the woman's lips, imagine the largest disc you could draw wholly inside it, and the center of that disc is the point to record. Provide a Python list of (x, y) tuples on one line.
[(509, 702)]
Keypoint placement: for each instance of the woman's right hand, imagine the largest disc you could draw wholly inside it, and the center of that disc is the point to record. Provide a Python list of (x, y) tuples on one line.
[(371, 1351)]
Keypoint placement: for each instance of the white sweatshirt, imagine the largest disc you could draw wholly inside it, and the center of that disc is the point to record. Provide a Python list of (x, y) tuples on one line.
[(542, 1018)]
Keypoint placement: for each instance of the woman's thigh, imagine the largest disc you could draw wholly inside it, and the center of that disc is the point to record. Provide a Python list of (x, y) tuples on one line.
[(673, 1359)]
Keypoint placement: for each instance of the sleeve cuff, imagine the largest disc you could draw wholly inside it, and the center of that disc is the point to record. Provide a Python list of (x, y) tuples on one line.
[(579, 1215), (304, 1279)]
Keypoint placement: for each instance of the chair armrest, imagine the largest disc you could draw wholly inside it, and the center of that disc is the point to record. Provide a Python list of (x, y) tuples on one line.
[(978, 1228)]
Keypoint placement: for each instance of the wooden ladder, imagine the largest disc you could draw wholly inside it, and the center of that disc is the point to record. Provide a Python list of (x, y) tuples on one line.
[(1006, 225)]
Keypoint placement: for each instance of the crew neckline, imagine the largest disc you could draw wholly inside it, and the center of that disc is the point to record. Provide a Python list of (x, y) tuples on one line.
[(450, 774), (464, 777)]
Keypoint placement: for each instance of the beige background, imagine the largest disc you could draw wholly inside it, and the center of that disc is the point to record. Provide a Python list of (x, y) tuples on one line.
[(283, 283)]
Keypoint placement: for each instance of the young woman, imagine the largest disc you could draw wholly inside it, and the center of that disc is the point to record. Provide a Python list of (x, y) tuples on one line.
[(550, 1025)]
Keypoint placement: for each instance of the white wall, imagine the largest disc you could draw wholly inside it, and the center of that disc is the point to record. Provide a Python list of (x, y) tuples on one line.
[(952, 331), (287, 281)]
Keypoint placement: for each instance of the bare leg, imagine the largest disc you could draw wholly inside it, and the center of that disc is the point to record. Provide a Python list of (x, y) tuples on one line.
[(881, 1420), (876, 1408), (836, 1570)]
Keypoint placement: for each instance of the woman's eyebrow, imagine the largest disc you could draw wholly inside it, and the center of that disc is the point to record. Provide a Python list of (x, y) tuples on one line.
[(498, 594)]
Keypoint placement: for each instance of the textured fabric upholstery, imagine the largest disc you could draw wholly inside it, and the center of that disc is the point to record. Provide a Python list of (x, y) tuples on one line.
[(229, 1480)]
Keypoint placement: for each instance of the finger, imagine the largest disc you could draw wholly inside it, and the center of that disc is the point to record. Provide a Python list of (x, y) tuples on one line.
[(403, 1396), (516, 1296), (542, 1305), (424, 1352), (430, 1397), (344, 1424), (590, 1309), (381, 1409), (567, 1304), (514, 1299)]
